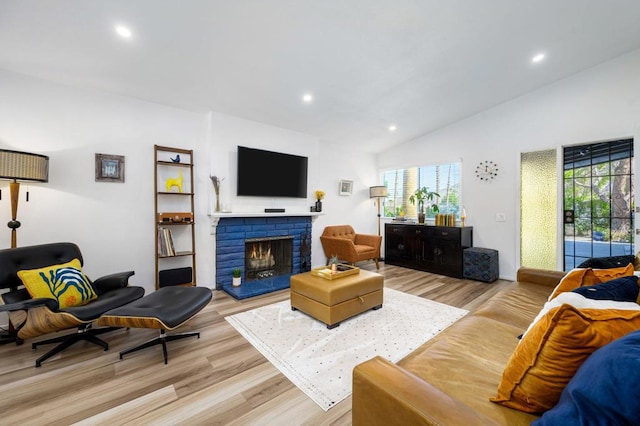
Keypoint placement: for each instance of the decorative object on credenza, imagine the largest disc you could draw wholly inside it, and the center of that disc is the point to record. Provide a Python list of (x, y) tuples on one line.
[(487, 170), (21, 166), (445, 220), (109, 168), (216, 188), (379, 192), (346, 187), (236, 277), (319, 197), (170, 183), (463, 217), (175, 160), (421, 195)]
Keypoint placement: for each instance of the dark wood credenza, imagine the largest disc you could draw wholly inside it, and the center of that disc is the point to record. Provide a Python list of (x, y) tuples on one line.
[(436, 249)]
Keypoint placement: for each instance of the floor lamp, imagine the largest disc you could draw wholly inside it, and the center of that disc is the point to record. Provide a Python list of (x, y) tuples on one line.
[(21, 166), (378, 192), (18, 165)]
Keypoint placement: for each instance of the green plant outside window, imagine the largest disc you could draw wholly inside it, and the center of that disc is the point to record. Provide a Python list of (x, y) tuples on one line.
[(443, 179)]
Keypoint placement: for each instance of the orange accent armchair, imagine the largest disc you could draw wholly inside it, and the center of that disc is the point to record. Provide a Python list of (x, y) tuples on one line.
[(342, 241)]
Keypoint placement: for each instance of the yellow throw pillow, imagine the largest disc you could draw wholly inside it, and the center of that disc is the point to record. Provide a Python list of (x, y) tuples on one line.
[(581, 277), (65, 283), (553, 349)]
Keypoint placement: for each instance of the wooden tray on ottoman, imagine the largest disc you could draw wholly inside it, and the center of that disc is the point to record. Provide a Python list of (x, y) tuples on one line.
[(344, 270)]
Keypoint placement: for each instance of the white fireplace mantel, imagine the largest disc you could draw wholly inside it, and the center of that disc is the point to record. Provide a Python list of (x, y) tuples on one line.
[(215, 217)]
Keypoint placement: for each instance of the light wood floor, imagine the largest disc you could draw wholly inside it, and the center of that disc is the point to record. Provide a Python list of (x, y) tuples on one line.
[(218, 379)]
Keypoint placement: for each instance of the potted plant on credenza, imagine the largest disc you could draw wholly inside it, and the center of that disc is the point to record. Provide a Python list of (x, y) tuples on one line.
[(421, 195)]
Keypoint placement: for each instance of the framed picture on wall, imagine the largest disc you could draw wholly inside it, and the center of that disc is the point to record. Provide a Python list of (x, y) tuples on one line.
[(109, 168), (346, 187)]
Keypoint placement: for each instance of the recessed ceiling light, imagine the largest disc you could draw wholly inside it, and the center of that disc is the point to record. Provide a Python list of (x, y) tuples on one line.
[(123, 31), (392, 128), (307, 98), (538, 58)]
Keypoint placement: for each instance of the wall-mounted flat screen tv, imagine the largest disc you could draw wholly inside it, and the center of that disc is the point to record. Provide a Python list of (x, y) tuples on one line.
[(271, 174)]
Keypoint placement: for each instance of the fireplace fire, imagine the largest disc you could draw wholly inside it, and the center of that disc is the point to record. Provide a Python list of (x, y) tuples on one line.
[(268, 257), (261, 256)]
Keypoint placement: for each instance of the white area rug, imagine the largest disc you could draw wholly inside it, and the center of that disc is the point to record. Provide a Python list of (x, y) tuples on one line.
[(320, 361)]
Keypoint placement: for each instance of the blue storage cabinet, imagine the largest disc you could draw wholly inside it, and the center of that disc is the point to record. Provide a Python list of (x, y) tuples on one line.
[(480, 264)]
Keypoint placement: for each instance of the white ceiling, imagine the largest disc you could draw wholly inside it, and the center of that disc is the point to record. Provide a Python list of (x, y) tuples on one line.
[(421, 64)]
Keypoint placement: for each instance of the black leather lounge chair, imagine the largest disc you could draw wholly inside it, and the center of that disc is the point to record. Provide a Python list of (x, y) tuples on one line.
[(32, 317)]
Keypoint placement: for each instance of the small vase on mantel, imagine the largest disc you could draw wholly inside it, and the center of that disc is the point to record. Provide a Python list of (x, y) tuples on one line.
[(318, 206)]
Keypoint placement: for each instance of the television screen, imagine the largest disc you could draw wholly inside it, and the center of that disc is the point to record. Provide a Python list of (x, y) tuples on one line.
[(271, 174)]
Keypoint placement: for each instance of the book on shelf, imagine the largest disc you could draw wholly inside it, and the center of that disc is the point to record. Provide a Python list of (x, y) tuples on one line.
[(165, 243)]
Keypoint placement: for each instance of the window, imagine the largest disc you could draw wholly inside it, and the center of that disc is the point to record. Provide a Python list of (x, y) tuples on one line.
[(443, 179), (598, 201)]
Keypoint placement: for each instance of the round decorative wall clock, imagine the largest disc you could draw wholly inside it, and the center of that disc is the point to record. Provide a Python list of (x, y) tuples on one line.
[(487, 170)]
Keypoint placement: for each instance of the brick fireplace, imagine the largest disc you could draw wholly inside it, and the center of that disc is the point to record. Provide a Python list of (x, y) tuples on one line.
[(280, 246)]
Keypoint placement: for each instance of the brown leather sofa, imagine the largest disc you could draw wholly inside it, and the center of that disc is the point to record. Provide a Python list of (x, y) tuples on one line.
[(342, 241), (449, 379)]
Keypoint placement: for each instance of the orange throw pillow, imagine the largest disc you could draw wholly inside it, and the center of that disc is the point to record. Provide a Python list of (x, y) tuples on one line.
[(553, 349), (613, 273), (581, 277)]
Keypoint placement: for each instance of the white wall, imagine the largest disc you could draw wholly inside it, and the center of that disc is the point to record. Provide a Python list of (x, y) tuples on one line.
[(602, 103), (113, 223), (357, 210), (328, 164)]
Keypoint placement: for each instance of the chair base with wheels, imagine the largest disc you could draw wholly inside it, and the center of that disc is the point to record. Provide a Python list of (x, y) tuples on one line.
[(165, 309)]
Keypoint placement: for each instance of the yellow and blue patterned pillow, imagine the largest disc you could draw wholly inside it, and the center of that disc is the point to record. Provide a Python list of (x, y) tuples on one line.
[(65, 283)]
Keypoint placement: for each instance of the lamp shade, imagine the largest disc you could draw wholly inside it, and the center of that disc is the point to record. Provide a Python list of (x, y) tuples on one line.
[(23, 166), (377, 191)]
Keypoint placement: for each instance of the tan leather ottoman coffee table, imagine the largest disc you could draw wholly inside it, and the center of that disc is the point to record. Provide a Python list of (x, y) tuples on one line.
[(332, 301)]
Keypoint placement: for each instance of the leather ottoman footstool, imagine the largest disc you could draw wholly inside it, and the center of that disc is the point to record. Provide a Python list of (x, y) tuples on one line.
[(332, 301), (165, 309)]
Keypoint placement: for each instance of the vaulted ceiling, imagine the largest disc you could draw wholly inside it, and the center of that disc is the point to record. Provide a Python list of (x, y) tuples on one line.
[(417, 64)]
